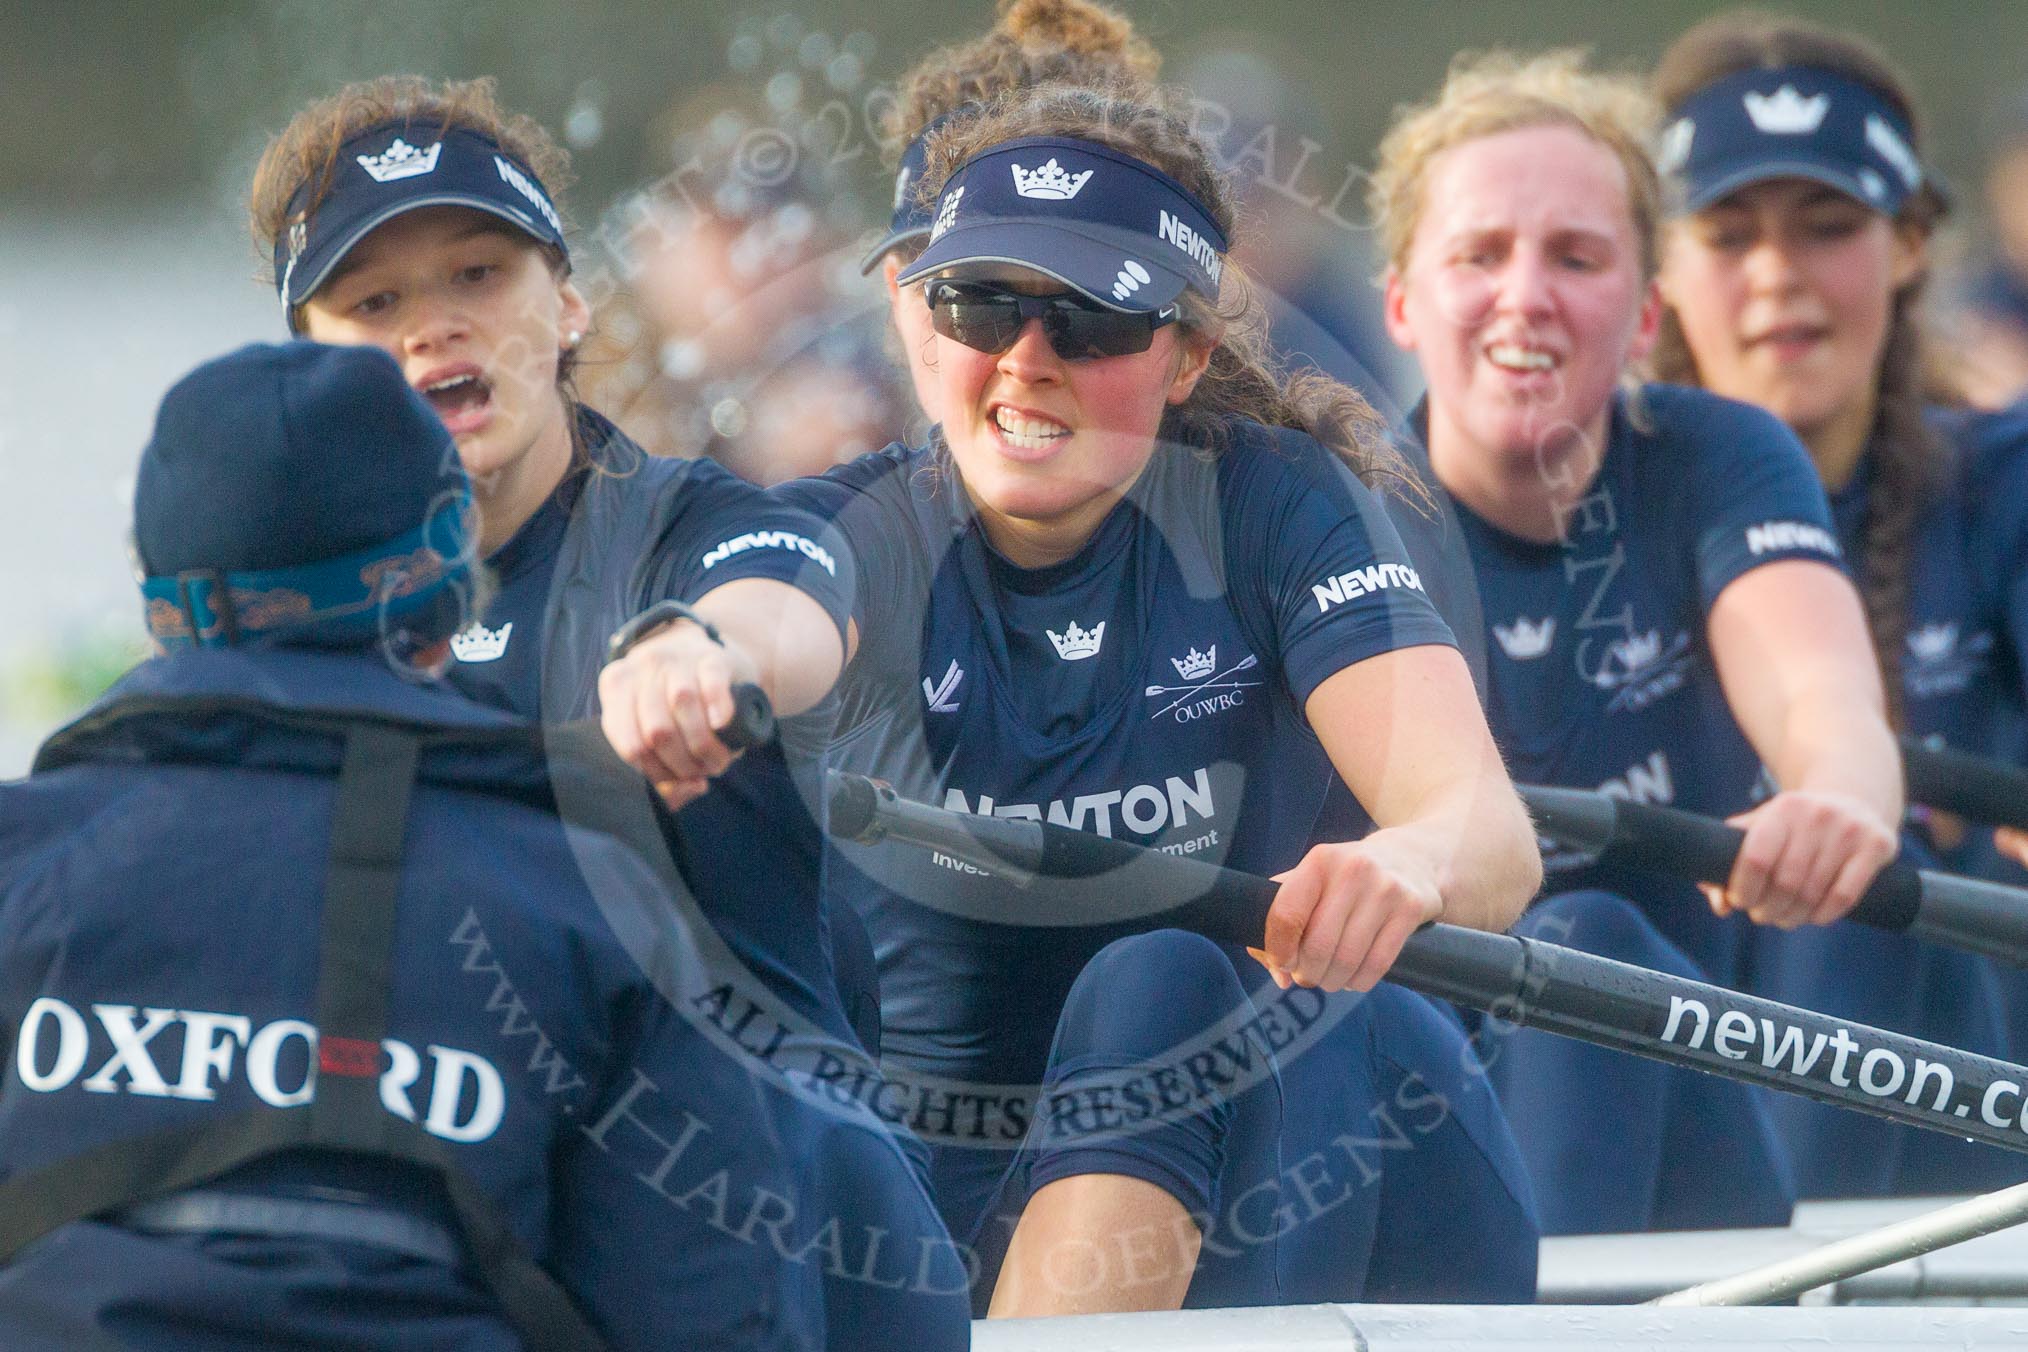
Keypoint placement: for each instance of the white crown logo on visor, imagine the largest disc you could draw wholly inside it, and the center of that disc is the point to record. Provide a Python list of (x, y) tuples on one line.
[(1787, 113), (1052, 182), (1131, 278), (401, 160), (1075, 644)]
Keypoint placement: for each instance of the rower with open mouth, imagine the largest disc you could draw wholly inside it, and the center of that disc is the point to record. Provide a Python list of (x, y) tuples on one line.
[(1658, 570), (420, 218)]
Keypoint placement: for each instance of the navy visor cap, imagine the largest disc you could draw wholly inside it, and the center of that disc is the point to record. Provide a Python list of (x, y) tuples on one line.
[(1120, 231), (395, 168), (910, 220), (1791, 122)]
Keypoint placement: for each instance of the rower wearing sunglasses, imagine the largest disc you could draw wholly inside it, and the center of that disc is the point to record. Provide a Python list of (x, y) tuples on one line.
[(1129, 586)]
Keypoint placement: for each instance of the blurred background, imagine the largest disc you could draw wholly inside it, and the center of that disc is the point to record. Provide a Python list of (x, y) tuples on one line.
[(729, 176)]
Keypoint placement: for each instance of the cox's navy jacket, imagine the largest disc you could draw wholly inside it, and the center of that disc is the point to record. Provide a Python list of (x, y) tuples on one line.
[(562, 1023)]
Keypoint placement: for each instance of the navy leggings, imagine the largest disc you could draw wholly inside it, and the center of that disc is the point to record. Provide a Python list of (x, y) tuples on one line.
[(1618, 1143), (1329, 1148)]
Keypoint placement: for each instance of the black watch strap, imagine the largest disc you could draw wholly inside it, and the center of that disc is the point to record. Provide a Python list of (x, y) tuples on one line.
[(648, 621)]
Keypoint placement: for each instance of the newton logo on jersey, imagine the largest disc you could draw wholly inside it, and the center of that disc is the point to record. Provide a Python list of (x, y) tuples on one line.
[(771, 539), (1145, 809), (1359, 582), (1771, 537)]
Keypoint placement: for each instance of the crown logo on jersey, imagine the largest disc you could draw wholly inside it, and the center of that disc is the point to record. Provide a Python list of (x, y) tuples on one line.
[(1674, 151), (1194, 665), (1638, 650), (1052, 182), (480, 644), (1933, 642), (1787, 113), (1075, 644), (401, 160), (1525, 638), (946, 213)]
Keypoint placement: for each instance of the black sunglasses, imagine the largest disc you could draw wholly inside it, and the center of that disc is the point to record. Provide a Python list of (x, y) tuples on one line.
[(989, 319)]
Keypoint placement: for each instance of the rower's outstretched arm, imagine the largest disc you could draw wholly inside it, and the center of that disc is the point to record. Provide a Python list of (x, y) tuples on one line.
[(1406, 733), (660, 703), (1790, 643)]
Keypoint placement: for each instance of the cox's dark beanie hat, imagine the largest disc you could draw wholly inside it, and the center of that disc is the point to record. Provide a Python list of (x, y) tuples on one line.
[(297, 490)]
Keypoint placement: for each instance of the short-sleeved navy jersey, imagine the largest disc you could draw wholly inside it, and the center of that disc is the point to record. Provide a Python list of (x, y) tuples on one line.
[(1151, 687), (706, 528), (630, 530), (1963, 658), (1601, 675)]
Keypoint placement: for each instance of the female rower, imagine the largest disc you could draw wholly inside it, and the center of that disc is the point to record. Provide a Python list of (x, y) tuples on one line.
[(1466, 1157), (1658, 573), (1128, 586), (1792, 278), (420, 218)]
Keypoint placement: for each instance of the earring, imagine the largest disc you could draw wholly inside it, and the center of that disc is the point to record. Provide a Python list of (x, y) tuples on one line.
[(571, 340)]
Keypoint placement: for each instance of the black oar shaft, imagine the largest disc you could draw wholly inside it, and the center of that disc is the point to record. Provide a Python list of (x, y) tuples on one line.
[(1523, 981), (1964, 913), (1978, 787)]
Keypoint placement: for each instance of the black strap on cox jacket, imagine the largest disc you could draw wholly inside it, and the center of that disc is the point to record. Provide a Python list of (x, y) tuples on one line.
[(369, 823)]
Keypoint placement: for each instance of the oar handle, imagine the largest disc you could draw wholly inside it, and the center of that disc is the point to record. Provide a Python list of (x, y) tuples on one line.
[(1669, 840), (753, 718), (1978, 787), (1965, 913)]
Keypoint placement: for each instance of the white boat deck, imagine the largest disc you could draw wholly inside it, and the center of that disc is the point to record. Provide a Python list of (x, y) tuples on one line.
[(1535, 1328), (1973, 1295)]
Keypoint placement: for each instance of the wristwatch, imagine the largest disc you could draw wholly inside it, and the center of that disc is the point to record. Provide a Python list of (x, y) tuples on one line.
[(648, 621)]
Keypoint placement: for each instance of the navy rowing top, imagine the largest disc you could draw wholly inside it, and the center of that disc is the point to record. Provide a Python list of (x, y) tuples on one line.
[(1150, 687), (1600, 673), (1966, 648), (626, 531)]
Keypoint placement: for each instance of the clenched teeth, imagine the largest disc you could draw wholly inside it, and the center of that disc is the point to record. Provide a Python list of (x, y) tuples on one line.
[(1032, 433), (1520, 358)]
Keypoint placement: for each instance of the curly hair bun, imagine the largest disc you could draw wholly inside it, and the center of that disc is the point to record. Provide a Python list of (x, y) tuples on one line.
[(1081, 27)]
